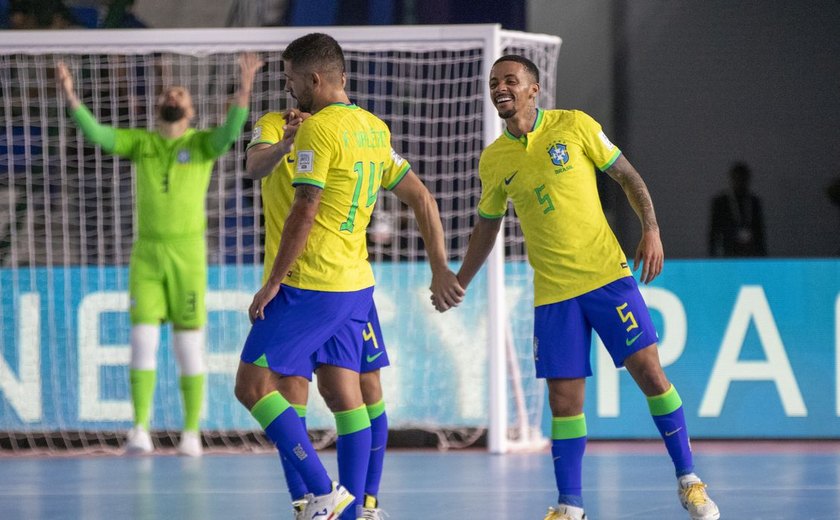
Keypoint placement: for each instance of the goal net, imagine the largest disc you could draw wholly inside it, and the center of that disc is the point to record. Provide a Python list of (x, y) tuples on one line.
[(67, 224)]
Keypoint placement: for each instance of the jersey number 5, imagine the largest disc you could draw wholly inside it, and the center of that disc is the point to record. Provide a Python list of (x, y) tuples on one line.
[(544, 199)]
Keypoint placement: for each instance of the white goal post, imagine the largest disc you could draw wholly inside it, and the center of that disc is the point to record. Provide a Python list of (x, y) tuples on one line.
[(66, 226)]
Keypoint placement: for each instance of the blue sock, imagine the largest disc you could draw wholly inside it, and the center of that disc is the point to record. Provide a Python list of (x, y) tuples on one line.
[(282, 425), (667, 412), (378, 443), (353, 449), (568, 442), (297, 487)]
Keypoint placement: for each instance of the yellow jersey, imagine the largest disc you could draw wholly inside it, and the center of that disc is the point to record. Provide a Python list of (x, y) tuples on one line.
[(276, 188), (549, 175), (346, 151)]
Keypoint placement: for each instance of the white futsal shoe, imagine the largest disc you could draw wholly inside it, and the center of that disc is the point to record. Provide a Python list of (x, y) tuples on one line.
[(329, 506), (139, 441), (695, 500), (190, 444), (298, 508), (565, 512)]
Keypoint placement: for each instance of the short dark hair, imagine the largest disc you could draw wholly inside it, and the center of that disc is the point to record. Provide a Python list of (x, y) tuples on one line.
[(316, 51), (525, 62)]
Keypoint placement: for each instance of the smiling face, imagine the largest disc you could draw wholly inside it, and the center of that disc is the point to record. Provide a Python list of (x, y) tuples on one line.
[(512, 89), (175, 104)]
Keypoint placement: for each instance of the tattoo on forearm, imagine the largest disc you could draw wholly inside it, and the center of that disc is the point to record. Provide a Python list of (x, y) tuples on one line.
[(639, 197)]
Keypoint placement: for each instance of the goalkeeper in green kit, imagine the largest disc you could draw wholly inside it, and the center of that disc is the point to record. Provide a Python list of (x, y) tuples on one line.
[(168, 266)]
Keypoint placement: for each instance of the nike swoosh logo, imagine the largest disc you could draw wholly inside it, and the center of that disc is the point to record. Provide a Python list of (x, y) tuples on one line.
[(633, 339), (371, 359), (290, 159), (668, 434), (509, 179)]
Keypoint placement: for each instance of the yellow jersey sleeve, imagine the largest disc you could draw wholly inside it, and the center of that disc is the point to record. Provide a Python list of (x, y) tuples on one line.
[(394, 170), (315, 153), (493, 201), (595, 143), (268, 129)]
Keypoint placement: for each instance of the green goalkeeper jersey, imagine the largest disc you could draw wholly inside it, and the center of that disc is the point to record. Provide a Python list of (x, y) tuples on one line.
[(172, 175)]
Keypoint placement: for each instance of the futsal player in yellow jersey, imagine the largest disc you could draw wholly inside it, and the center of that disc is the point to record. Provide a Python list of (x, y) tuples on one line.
[(266, 160), (545, 163), (319, 293)]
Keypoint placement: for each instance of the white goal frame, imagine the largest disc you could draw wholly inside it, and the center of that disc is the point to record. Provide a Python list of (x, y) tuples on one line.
[(205, 41)]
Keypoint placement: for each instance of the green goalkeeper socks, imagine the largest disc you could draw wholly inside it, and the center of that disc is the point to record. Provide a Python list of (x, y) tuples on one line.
[(192, 392), (142, 395)]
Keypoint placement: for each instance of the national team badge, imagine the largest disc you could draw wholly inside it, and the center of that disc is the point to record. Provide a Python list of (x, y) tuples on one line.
[(559, 155), (183, 156)]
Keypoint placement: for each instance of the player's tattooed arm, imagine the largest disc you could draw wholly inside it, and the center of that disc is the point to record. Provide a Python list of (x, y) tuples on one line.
[(649, 252), (295, 235), (636, 191)]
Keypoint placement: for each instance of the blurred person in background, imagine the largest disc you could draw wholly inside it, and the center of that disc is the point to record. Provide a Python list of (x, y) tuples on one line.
[(737, 220)]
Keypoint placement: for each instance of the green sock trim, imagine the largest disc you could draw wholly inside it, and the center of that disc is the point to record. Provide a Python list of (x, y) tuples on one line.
[(142, 394), (192, 392), (563, 428), (352, 421), (268, 408), (665, 403), (300, 409), (376, 409), (261, 362)]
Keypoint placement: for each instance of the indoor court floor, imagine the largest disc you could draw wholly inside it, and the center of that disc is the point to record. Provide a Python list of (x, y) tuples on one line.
[(749, 480)]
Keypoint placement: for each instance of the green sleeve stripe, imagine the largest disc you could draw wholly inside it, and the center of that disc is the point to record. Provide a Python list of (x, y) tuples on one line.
[(310, 182), (612, 160), (269, 408), (491, 217), (376, 409), (300, 409), (563, 428), (403, 171), (666, 403), (223, 137), (352, 421), (254, 143), (104, 136)]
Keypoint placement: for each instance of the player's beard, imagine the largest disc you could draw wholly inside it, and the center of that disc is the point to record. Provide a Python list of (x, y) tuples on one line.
[(506, 114), (171, 113)]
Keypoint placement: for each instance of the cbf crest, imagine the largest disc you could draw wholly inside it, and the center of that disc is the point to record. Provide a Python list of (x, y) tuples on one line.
[(558, 153), (183, 156)]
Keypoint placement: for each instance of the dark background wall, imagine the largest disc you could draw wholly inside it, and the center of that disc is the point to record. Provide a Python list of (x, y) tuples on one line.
[(697, 85)]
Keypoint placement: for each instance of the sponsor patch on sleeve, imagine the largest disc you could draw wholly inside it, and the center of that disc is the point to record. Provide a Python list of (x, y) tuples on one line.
[(255, 135), (398, 160), (606, 141), (304, 160)]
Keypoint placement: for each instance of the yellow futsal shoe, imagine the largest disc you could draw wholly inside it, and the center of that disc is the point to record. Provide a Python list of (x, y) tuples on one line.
[(695, 500), (564, 512), (370, 511)]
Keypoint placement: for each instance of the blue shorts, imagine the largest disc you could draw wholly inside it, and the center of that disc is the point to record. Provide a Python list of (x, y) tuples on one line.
[(298, 322), (563, 330), (374, 355)]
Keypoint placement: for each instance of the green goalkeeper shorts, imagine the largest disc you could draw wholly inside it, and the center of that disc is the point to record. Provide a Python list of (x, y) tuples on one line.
[(167, 281)]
